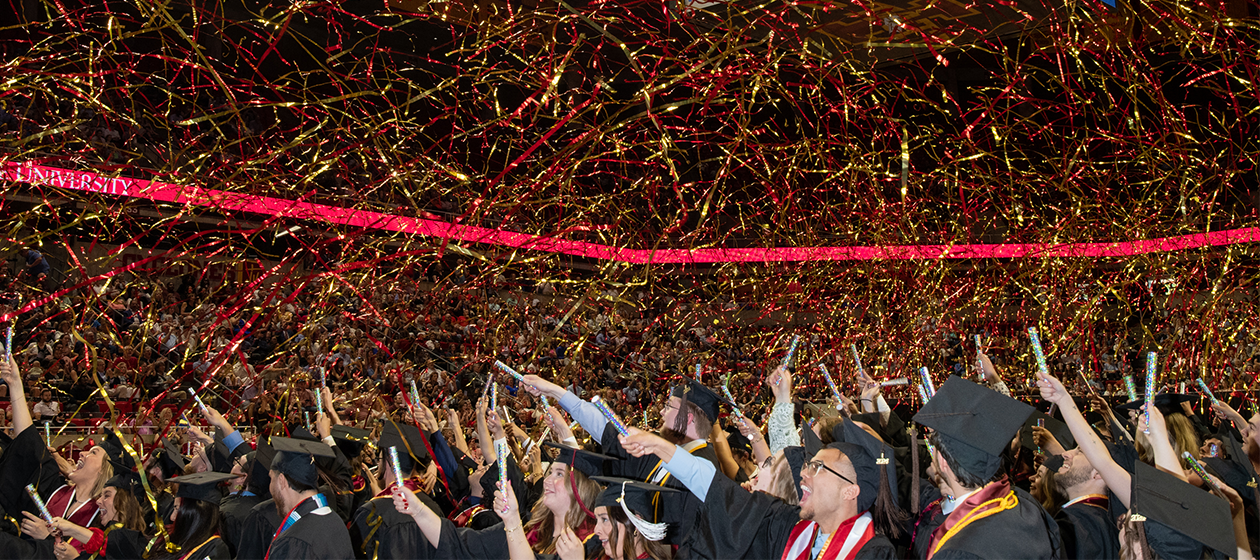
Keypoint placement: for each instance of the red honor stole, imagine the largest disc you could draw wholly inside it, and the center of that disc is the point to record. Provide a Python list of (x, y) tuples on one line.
[(994, 498), (843, 544)]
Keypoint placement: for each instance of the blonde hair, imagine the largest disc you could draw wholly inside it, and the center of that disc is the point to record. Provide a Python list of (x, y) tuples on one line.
[(1181, 436), (542, 521), (98, 485)]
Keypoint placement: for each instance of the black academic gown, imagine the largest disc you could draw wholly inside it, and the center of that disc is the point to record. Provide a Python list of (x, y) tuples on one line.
[(1025, 531), (681, 511), (258, 530), (486, 544), (232, 513), (927, 520), (1088, 532), (27, 461), (755, 525), (379, 531), (319, 534)]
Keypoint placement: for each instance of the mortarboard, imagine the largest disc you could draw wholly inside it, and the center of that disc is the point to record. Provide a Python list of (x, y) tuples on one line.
[(696, 393), (351, 440), (408, 440), (974, 424), (810, 441), (202, 486), (1180, 518), (869, 457), (738, 442), (129, 481), (1058, 429), (260, 468), (1167, 403), (642, 498), (587, 462), (221, 458), (169, 458), (1053, 463), (116, 452), (295, 459)]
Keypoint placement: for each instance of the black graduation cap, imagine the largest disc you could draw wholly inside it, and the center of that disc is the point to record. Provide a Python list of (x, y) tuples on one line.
[(302, 434), (869, 456), (408, 440), (169, 458), (1177, 513), (202, 486), (295, 459), (738, 442), (129, 481), (1053, 463), (796, 457), (588, 462), (696, 393), (260, 468), (115, 451), (222, 458), (973, 423), (1058, 429), (809, 440), (1167, 403), (351, 440), (642, 498)]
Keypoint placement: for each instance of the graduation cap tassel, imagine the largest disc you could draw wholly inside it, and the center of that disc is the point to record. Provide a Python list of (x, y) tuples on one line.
[(654, 532)]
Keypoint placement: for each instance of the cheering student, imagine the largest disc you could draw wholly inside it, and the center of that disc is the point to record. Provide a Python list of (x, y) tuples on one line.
[(123, 533), (561, 517), (308, 529), (687, 420), (27, 461), (379, 530), (985, 515)]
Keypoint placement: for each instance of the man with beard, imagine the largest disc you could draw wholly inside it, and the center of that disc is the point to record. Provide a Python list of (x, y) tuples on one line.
[(686, 421), (309, 529), (1085, 522)]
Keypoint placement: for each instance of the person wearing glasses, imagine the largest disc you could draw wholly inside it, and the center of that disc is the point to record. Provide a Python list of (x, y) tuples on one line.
[(847, 508)]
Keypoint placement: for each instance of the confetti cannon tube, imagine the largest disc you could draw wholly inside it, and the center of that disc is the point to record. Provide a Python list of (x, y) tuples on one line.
[(730, 397), (1198, 469), (1206, 391), (39, 502), (1151, 360), (1130, 388), (791, 353), (831, 383), (927, 381), (894, 382), (612, 418), (1040, 354), (508, 370), (396, 464)]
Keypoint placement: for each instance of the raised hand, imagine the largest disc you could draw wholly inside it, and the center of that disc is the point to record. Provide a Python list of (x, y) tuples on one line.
[(639, 443), (780, 383), (1052, 390), (407, 502), (539, 386), (506, 507), (569, 546)]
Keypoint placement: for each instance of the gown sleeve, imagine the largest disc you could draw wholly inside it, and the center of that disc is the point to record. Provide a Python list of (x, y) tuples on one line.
[(27, 461), (742, 524)]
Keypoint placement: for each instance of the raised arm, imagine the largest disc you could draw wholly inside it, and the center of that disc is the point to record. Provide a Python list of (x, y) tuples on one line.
[(1165, 456), (695, 473), (17, 396), (780, 428), (584, 412), (430, 524), (452, 420), (722, 448), (760, 449), (1117, 478)]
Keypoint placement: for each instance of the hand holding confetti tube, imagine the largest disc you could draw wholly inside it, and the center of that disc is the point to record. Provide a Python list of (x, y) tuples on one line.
[(857, 361), (1206, 391), (397, 465), (508, 370), (494, 395), (727, 390), (198, 400), (1130, 388), (39, 503), (791, 353), (1198, 469), (835, 392), (612, 418), (923, 395), (501, 449), (1151, 361), (1038, 353), (8, 342)]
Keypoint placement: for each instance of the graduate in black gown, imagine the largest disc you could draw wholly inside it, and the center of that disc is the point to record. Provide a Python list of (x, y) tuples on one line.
[(985, 515), (1085, 522), (379, 531), (235, 508), (847, 504), (308, 529), (195, 518), (687, 421)]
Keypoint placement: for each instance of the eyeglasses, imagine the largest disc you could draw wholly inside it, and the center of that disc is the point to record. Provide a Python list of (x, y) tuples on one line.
[(813, 467)]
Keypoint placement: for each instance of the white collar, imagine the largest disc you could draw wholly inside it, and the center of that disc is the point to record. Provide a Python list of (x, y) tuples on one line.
[(948, 505)]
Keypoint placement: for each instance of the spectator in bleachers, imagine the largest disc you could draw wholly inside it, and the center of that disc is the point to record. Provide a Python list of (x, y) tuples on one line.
[(46, 408)]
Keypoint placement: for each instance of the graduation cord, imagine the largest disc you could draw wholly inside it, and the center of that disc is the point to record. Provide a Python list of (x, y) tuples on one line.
[(998, 505), (198, 547), (1096, 500)]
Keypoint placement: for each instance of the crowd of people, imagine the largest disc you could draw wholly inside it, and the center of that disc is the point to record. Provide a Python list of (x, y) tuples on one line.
[(229, 423), (521, 466)]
